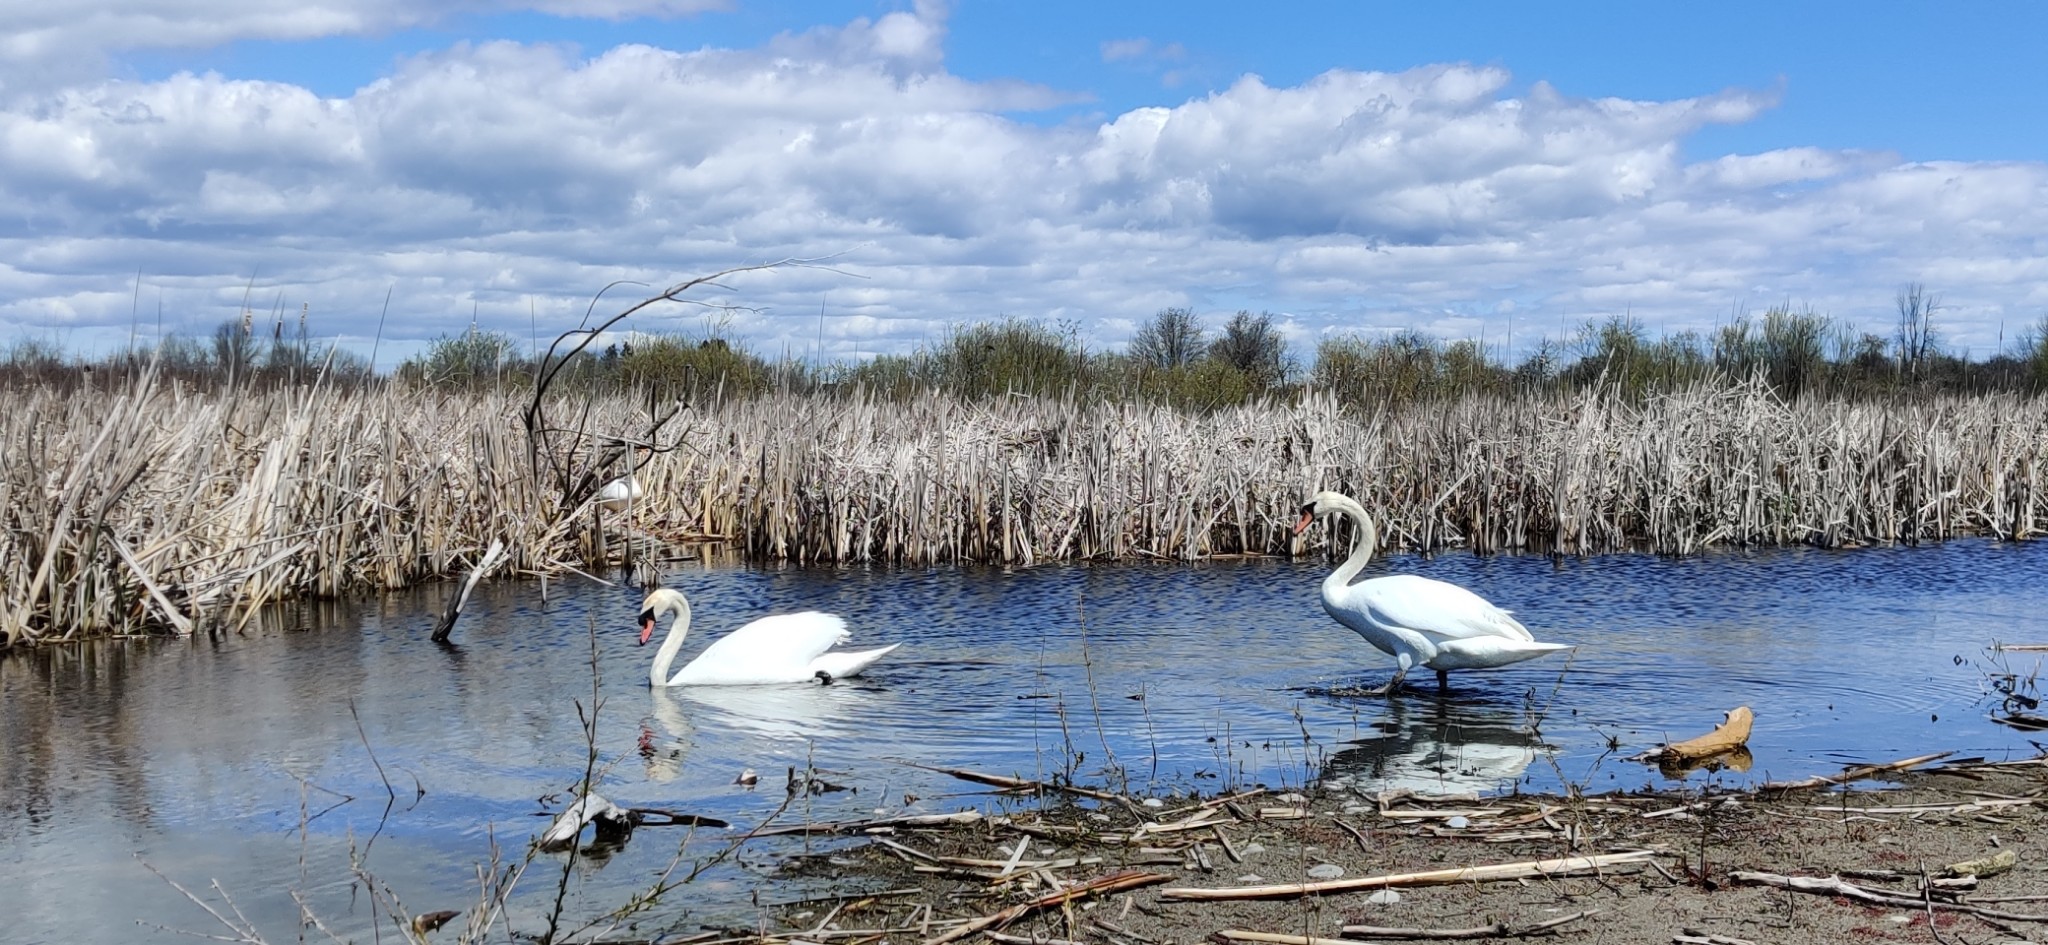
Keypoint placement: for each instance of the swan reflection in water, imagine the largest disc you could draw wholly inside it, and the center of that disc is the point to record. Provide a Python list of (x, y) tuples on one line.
[(1431, 746), (752, 725)]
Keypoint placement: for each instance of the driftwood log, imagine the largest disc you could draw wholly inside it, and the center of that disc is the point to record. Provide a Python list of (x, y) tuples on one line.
[(1730, 735)]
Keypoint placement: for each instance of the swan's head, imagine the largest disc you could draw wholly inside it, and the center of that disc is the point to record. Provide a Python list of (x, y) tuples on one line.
[(662, 600), (1323, 503)]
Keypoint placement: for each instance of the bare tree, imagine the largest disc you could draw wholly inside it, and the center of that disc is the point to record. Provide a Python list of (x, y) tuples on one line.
[(1916, 336), (1252, 345), (1172, 339)]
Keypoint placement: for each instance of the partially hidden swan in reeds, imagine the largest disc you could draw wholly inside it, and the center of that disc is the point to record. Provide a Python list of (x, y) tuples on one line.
[(784, 648), (619, 493), (1418, 621)]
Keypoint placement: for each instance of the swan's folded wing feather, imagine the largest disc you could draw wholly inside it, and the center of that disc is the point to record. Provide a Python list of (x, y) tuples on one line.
[(782, 645), (1435, 608)]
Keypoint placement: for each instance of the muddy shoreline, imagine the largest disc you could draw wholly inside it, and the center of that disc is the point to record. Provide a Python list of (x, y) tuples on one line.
[(1704, 865)]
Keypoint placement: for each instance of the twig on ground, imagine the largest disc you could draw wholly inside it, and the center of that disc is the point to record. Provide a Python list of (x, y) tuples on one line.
[(1019, 784), (1857, 773), (1470, 874), (1496, 930), (1101, 885), (1836, 886)]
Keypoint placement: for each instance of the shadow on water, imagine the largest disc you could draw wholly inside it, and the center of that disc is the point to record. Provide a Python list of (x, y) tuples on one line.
[(209, 756)]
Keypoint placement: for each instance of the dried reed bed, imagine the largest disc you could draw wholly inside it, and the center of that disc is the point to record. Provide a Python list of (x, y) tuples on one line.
[(1023, 480), (152, 508)]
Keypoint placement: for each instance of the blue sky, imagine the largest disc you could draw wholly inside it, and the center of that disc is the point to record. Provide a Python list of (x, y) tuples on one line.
[(1391, 166)]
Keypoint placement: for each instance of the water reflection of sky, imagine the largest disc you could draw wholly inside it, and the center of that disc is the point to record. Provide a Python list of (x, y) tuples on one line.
[(1181, 677)]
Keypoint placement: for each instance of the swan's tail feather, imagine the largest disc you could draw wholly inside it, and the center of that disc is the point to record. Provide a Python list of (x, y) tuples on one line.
[(1488, 653), (850, 662)]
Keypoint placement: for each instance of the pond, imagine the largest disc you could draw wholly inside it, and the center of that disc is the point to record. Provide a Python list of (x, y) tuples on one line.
[(261, 759)]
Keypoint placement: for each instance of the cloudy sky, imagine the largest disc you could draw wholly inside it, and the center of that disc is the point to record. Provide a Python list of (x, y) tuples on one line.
[(1503, 172)]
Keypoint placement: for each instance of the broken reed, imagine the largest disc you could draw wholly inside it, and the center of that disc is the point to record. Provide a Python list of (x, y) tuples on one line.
[(149, 508)]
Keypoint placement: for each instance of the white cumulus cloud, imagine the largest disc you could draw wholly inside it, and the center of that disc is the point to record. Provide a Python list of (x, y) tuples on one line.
[(509, 181)]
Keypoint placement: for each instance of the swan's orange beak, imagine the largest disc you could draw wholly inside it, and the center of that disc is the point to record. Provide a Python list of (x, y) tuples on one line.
[(1308, 517), (646, 627)]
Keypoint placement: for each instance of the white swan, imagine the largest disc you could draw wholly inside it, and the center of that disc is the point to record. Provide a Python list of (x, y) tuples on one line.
[(1417, 620), (784, 648), (619, 493)]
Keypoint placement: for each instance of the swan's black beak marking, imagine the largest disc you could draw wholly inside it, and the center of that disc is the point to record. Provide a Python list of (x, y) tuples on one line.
[(1308, 517), (824, 678), (646, 626)]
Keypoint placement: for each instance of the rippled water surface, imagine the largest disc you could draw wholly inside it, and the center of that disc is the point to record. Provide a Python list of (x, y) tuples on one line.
[(254, 759)]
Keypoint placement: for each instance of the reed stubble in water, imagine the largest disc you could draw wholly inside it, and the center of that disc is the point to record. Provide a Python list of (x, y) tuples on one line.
[(158, 508)]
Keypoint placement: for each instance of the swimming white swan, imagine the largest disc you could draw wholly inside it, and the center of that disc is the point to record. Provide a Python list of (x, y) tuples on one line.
[(1417, 620), (784, 648)]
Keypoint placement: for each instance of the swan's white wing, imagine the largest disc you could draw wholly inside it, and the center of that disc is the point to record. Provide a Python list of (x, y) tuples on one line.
[(847, 663), (772, 649), (1433, 608)]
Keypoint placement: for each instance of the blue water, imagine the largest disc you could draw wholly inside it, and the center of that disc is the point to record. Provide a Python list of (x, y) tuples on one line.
[(254, 759)]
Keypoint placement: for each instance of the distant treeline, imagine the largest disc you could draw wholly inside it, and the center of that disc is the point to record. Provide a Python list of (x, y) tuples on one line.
[(1174, 358)]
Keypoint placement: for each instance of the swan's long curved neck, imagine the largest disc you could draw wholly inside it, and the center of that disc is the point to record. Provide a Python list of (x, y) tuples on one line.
[(1362, 546), (672, 643)]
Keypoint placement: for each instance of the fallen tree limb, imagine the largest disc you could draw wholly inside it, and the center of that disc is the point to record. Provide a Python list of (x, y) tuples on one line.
[(1836, 886), (1469, 874), (1099, 886), (1857, 773), (1496, 930)]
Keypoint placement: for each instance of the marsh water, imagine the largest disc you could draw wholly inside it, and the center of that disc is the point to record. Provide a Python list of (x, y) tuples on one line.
[(261, 759)]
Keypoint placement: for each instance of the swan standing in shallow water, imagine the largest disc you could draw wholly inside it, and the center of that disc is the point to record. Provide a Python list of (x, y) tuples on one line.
[(784, 648), (1418, 621)]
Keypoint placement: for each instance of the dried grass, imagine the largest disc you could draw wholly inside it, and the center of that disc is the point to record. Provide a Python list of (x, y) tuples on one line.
[(150, 508)]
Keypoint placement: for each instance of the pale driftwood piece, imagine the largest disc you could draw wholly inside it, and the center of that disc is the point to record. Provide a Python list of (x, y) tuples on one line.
[(1229, 849), (2023, 647), (1496, 930), (1559, 866), (1836, 886), (845, 826), (1732, 733), (613, 822), (483, 567), (1202, 818), (1100, 885), (1857, 773)]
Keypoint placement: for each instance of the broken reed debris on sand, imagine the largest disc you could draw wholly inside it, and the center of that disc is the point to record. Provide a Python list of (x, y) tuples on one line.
[(148, 507), (1658, 866)]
